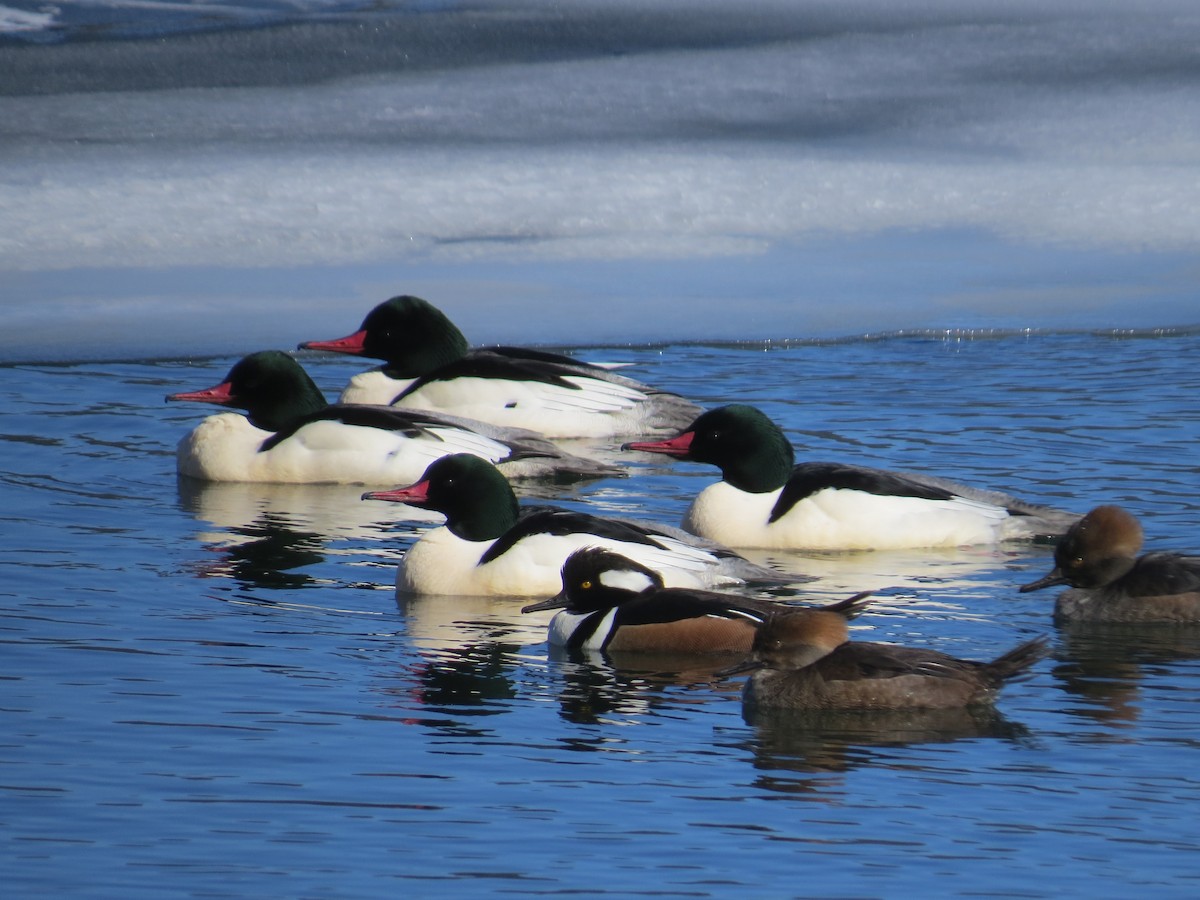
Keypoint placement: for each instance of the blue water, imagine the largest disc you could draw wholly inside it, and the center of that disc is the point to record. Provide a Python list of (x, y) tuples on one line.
[(214, 691), (949, 237)]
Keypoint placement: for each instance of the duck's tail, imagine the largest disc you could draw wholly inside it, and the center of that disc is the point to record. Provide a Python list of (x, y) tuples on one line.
[(1018, 661)]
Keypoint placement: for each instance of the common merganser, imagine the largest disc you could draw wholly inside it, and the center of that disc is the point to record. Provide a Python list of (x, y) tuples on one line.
[(1109, 582), (804, 659), (491, 546), (610, 602), (766, 500), (429, 365), (291, 434)]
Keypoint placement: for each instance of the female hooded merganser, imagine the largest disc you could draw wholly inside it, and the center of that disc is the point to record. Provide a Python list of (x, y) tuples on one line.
[(767, 500), (292, 435), (491, 546), (429, 365), (610, 602), (1109, 582), (805, 660)]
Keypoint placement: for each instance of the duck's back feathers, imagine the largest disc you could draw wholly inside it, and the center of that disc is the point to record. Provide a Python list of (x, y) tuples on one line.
[(1161, 574), (1161, 587), (558, 397), (866, 675)]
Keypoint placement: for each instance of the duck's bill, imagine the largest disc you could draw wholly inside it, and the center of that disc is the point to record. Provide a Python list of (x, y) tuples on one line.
[(351, 343), (222, 393), (746, 665), (558, 601), (1055, 577), (414, 494), (680, 445)]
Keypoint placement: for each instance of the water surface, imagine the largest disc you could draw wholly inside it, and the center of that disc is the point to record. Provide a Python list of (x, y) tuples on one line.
[(213, 690)]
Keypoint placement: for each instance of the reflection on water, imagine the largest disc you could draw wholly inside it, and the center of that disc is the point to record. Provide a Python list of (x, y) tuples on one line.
[(441, 623), (1104, 665), (808, 742), (351, 738)]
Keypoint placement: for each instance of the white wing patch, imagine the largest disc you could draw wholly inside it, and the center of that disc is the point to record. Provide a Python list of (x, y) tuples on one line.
[(459, 440)]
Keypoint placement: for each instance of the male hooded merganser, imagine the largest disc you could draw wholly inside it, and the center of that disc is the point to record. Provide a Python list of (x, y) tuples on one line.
[(610, 602), (292, 435), (429, 365), (805, 660), (491, 546), (767, 500), (1109, 582)]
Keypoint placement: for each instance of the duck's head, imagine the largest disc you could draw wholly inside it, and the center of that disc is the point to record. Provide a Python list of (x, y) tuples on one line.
[(270, 385), (795, 638), (412, 336), (595, 578), (1097, 550), (473, 495), (751, 451)]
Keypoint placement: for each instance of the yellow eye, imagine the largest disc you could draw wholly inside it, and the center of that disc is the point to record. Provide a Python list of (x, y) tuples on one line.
[(586, 585)]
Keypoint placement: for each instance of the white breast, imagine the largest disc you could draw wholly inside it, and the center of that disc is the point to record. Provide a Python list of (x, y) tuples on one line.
[(442, 563), (373, 387), (842, 520), (564, 623), (225, 447)]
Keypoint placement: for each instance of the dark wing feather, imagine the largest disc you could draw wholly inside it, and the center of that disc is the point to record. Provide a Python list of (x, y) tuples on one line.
[(678, 604), (809, 478), (1162, 574), (555, 521)]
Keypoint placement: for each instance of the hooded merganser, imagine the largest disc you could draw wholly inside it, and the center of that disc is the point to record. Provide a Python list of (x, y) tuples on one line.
[(805, 660), (610, 602), (766, 500), (1109, 582)]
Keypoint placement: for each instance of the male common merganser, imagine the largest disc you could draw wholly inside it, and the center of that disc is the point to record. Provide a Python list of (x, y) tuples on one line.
[(293, 435), (1109, 582), (766, 500), (804, 659), (614, 603), (429, 365), (490, 546)]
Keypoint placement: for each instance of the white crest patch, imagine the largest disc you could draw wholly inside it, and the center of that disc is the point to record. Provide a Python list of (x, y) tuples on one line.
[(626, 580)]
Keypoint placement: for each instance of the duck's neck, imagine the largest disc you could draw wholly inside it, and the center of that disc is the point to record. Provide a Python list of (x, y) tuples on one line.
[(421, 361), (494, 511), (278, 410), (422, 342), (767, 467)]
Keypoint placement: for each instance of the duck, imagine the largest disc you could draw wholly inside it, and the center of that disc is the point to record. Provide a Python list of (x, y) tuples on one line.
[(429, 365), (491, 546), (766, 500), (292, 435), (1109, 582), (610, 602), (804, 659)]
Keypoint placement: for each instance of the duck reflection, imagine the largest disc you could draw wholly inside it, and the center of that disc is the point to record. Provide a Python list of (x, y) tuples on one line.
[(953, 574), (269, 535), (1103, 664), (333, 511), (599, 686), (477, 679), (824, 741), (268, 554), (447, 624)]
